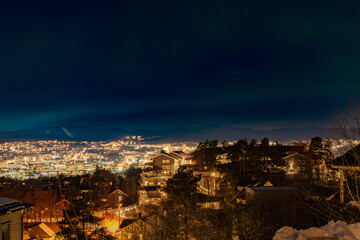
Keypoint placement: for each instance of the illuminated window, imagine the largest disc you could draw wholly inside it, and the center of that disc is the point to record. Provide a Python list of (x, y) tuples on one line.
[(5, 231), (166, 161)]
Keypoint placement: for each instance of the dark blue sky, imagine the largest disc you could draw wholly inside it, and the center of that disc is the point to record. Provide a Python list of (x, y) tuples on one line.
[(162, 64)]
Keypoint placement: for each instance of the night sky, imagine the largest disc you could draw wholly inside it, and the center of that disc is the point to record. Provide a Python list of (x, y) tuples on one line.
[(151, 64)]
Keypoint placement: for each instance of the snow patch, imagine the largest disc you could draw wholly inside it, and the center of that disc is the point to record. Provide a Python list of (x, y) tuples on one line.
[(67, 132), (333, 230)]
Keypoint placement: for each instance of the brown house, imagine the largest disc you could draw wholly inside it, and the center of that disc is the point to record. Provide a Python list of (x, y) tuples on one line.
[(115, 197), (166, 163)]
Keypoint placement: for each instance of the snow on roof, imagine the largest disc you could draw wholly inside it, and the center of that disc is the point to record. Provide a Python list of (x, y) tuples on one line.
[(271, 188), (46, 229), (5, 200), (43, 230), (295, 155), (9, 205), (350, 158), (181, 153), (333, 230), (266, 184)]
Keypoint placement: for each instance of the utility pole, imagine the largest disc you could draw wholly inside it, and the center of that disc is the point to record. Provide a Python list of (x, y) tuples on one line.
[(342, 185), (120, 205), (83, 221)]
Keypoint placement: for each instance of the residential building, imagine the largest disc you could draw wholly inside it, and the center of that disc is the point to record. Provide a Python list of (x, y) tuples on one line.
[(295, 166), (43, 231), (151, 195), (167, 163), (115, 198), (11, 218), (267, 193), (209, 182)]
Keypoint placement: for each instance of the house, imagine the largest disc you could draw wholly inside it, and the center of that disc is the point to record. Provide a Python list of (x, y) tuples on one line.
[(300, 167), (167, 163), (208, 202), (115, 197), (286, 150), (144, 228), (11, 218), (267, 193), (44, 231), (295, 166), (223, 158), (150, 179), (151, 195), (209, 182), (268, 198)]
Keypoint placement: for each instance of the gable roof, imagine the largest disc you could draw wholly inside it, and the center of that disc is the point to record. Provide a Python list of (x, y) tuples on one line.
[(164, 155), (178, 155), (263, 184), (54, 226), (127, 222), (273, 188), (175, 155), (46, 229), (294, 155), (350, 158), (146, 220), (181, 153), (118, 191), (43, 230)]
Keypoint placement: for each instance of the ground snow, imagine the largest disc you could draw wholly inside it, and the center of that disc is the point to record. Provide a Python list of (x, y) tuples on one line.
[(333, 230)]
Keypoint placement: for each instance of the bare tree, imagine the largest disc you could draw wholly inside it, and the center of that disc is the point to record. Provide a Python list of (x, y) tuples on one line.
[(347, 124), (347, 136)]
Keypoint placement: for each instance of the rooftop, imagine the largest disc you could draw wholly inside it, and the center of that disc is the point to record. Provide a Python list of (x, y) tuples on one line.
[(9, 205), (271, 188)]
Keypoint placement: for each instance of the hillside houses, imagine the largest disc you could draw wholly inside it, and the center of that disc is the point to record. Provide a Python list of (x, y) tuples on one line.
[(152, 183), (220, 179)]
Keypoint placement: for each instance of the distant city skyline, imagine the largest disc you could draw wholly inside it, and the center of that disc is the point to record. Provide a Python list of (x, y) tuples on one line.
[(151, 65)]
